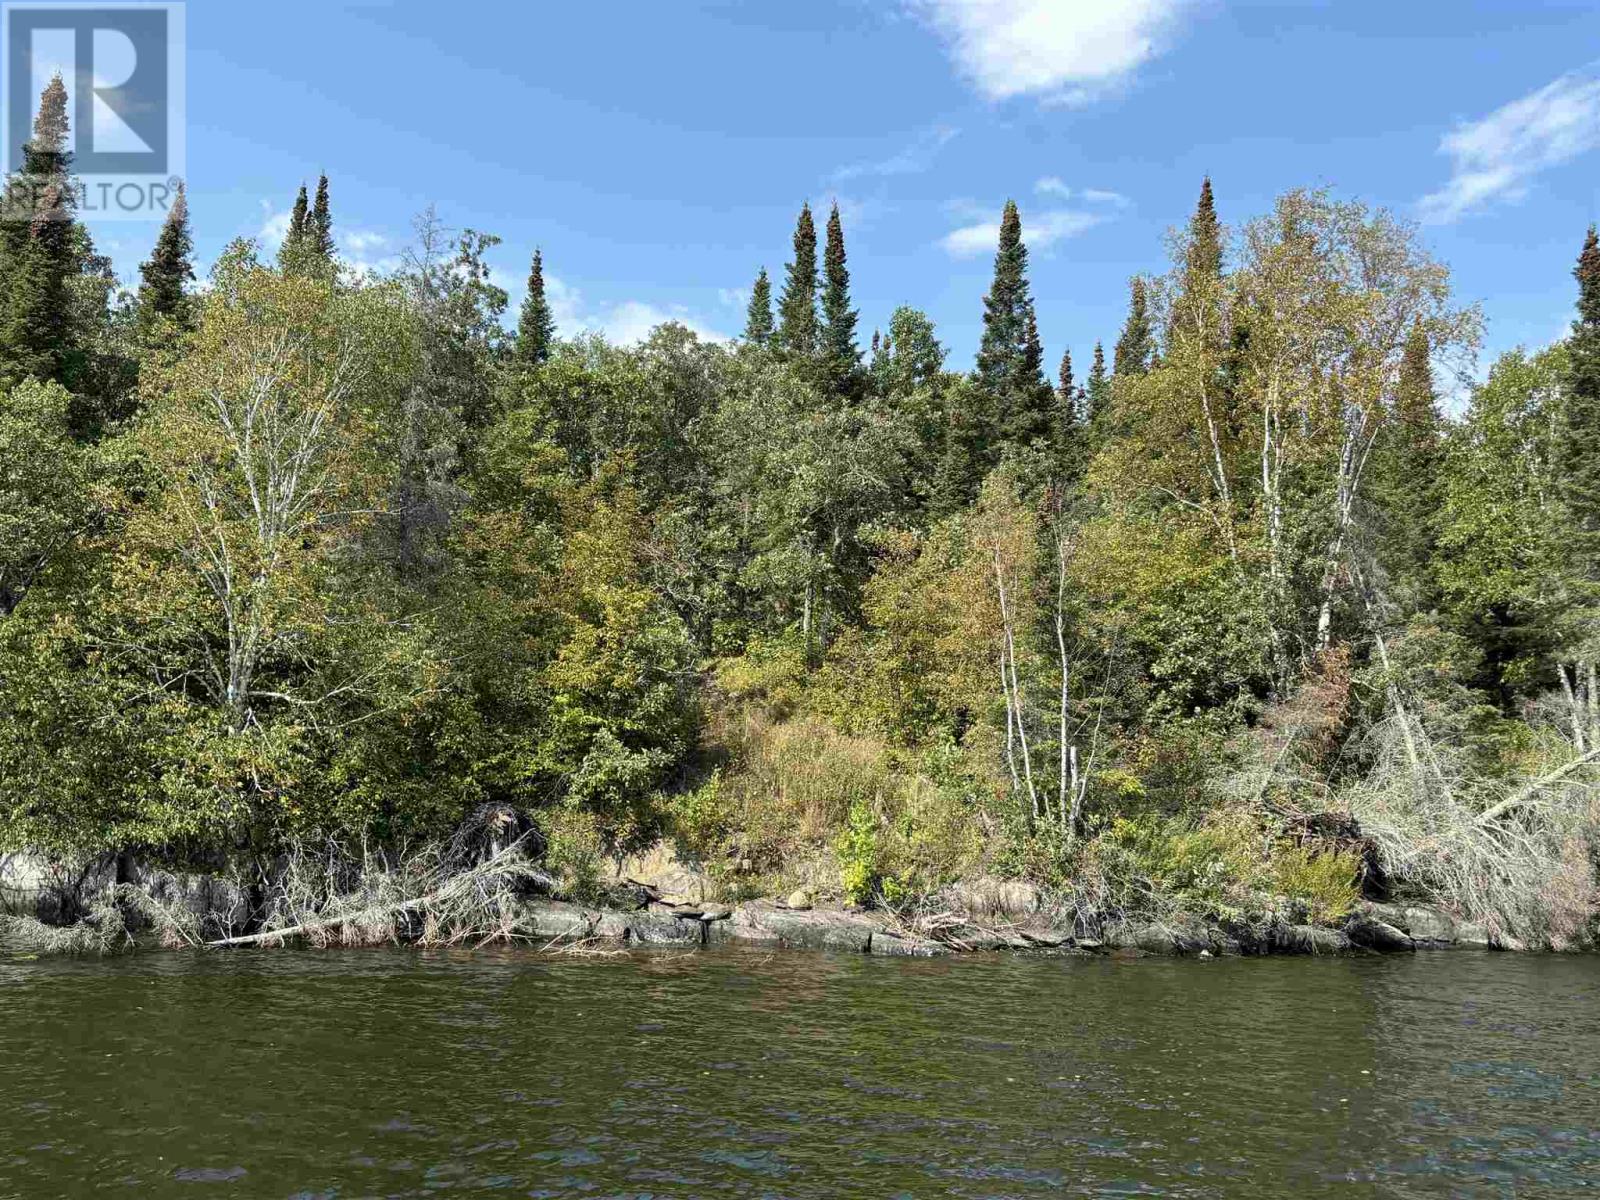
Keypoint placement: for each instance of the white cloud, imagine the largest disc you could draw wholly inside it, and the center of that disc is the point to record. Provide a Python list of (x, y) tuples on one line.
[(916, 157), (274, 228), (623, 324), (1063, 51), (359, 241), (1052, 185), (734, 297), (1097, 196), (1495, 158), (1038, 231), (632, 320)]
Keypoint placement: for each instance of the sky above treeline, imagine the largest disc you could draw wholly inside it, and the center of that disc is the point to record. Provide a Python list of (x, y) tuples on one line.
[(659, 152)]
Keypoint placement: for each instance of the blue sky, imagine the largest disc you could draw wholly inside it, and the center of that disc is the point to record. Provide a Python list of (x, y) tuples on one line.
[(658, 152)]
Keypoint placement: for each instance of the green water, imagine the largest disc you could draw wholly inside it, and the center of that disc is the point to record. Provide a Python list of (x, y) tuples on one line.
[(501, 1073)]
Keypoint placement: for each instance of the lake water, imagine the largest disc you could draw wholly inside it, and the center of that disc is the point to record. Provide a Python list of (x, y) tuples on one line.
[(703, 1074)]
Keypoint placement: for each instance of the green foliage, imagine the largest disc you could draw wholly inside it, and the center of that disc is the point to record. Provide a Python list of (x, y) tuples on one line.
[(857, 847), (1224, 866), (575, 850), (310, 552)]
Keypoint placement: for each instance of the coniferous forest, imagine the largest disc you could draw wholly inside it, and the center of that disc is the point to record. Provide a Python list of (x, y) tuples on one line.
[(1258, 603)]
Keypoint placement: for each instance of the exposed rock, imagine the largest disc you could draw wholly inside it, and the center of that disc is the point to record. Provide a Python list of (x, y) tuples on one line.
[(1505, 941), (1476, 936), (762, 922), (613, 926), (556, 920), (799, 900), (1310, 939), (898, 947), (665, 929), (1372, 934), (660, 870), (1430, 926), (1050, 939), (1160, 937)]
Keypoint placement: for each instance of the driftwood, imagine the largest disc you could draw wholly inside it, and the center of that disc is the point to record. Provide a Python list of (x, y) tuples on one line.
[(1526, 794), (455, 888)]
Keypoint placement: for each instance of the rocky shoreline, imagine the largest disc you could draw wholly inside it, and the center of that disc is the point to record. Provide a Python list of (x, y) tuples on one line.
[(985, 915), (1374, 928)]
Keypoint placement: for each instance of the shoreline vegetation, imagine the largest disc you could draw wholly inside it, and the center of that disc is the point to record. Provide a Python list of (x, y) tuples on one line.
[(340, 606)]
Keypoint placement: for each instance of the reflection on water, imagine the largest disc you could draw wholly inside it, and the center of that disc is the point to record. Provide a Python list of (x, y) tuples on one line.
[(370, 1073)]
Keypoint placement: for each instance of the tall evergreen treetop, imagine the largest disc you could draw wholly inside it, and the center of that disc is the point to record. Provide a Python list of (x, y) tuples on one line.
[(1098, 390), (1010, 369), (169, 271), (1070, 448), (42, 250), (758, 316), (46, 152), (1004, 306), (536, 324), (319, 226), (841, 358), (294, 239), (1136, 346), (1579, 447), (1203, 258), (797, 307)]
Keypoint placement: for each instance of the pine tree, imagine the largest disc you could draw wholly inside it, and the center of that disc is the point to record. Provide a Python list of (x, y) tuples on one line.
[(796, 334), (164, 293), (292, 252), (841, 359), (41, 252), (1010, 369), (1579, 447), (758, 317), (536, 324), (319, 226), (1135, 348)]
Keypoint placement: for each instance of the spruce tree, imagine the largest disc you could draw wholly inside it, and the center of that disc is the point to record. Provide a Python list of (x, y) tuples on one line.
[(758, 316), (1098, 392), (796, 334), (536, 324), (841, 359), (1010, 368), (292, 253), (1069, 431), (1203, 257), (1409, 465), (960, 469), (319, 226), (42, 252), (1135, 348), (163, 294), (1579, 447)]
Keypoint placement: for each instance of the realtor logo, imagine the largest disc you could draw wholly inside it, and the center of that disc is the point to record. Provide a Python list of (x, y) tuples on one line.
[(122, 65)]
